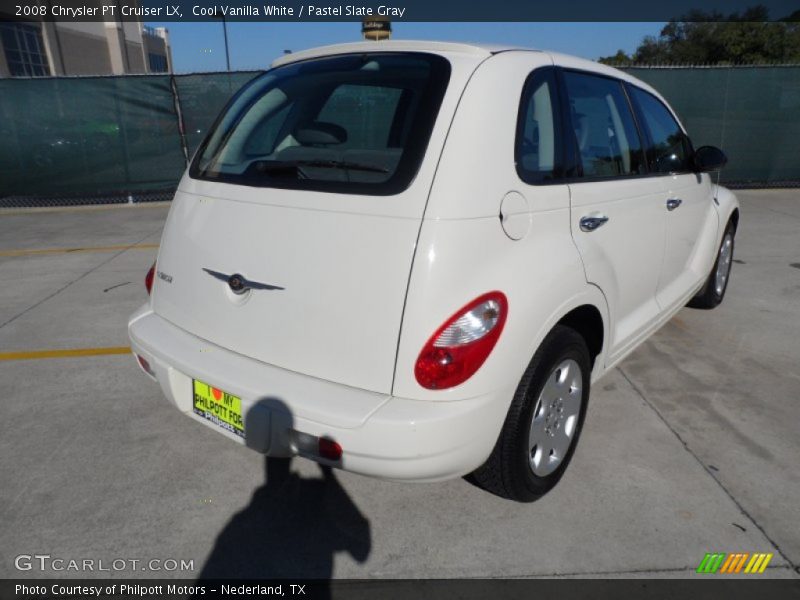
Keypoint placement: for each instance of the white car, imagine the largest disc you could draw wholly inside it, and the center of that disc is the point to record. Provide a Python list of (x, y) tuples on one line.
[(410, 260)]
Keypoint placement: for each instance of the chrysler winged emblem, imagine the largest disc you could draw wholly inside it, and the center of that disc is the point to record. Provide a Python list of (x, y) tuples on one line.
[(239, 284)]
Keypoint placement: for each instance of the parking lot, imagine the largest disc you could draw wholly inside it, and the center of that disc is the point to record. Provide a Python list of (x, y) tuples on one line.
[(690, 446)]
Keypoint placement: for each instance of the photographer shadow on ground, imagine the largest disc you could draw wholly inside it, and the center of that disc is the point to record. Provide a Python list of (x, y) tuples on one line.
[(292, 528)]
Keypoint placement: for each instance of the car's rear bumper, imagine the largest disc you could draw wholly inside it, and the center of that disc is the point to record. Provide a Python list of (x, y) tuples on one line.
[(381, 436)]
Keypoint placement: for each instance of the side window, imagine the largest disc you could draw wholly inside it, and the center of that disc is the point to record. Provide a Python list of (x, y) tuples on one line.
[(538, 141), (606, 137), (669, 148)]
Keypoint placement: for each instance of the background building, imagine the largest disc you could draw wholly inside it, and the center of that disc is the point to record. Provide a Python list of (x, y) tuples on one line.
[(112, 47)]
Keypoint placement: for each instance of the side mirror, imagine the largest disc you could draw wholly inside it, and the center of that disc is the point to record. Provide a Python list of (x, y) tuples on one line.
[(669, 163), (709, 158)]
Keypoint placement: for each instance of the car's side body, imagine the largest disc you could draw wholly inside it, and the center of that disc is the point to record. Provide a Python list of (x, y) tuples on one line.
[(367, 282)]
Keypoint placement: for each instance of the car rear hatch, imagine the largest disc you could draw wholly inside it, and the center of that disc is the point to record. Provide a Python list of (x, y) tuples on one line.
[(292, 236)]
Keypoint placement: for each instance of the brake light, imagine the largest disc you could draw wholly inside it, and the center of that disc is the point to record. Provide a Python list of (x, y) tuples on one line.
[(463, 343), (148, 279)]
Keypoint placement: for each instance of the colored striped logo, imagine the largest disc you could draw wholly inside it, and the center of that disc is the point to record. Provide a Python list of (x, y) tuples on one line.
[(737, 562)]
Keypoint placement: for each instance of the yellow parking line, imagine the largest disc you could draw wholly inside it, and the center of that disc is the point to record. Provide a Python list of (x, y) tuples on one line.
[(70, 353), (33, 252), (85, 208)]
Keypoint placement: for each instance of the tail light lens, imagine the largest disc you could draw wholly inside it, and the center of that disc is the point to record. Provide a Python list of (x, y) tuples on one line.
[(148, 279), (463, 343)]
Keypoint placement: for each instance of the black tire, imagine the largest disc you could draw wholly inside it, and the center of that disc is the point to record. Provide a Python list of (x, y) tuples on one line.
[(507, 472), (709, 295)]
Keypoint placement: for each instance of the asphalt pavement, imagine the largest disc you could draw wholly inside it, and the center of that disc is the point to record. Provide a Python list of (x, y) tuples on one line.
[(690, 446)]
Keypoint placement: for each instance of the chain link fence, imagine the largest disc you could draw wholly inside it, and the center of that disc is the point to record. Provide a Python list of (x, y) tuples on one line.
[(89, 140)]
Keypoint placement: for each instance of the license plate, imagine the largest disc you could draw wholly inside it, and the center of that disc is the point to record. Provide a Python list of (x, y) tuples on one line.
[(218, 407)]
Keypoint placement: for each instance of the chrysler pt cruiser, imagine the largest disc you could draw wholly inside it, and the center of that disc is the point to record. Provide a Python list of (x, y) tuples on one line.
[(411, 260)]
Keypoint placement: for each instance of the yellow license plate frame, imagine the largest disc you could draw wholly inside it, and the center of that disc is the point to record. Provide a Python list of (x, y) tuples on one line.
[(218, 407)]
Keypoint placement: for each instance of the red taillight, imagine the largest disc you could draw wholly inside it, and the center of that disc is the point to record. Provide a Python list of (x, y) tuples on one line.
[(329, 449), (459, 347), (148, 279)]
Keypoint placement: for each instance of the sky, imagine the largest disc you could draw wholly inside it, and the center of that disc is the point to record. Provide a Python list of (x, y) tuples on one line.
[(199, 46)]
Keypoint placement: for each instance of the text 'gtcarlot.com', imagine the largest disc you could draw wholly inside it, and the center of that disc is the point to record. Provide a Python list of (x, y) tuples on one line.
[(46, 562)]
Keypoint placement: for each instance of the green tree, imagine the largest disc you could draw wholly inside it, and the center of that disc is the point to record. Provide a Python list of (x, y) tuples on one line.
[(700, 37)]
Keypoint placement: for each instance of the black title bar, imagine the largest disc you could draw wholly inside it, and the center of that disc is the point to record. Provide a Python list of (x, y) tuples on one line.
[(396, 10), (705, 588)]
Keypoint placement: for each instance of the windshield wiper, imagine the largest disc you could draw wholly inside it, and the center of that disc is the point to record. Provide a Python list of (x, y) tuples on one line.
[(278, 166)]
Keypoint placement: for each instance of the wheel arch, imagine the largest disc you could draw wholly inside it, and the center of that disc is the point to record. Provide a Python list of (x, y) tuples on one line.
[(588, 314), (734, 218), (728, 206), (587, 321)]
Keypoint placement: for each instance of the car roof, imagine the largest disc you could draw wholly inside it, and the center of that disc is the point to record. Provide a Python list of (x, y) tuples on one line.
[(569, 61), (477, 50)]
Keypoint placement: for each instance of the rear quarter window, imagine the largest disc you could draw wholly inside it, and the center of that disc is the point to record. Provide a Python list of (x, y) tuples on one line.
[(538, 146)]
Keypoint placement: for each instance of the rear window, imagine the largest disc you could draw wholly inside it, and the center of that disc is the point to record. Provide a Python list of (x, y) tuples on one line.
[(348, 124)]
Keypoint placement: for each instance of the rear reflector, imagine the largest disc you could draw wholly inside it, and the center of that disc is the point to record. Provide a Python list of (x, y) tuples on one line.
[(148, 279), (329, 449), (145, 366), (312, 446)]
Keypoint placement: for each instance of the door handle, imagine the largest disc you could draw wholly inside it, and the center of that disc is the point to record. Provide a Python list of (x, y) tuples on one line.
[(674, 203), (591, 223)]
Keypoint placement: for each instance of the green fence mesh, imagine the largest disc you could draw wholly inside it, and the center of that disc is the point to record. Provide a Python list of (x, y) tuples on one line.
[(88, 135), (752, 113), (202, 97), (95, 136)]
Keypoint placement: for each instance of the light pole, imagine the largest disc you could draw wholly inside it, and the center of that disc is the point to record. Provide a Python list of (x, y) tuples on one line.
[(225, 33)]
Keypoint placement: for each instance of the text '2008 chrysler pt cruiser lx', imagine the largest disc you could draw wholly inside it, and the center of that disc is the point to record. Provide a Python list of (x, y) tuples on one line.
[(410, 260)]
